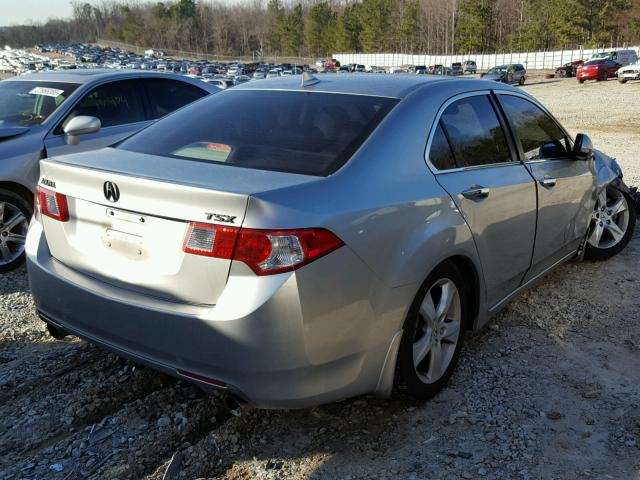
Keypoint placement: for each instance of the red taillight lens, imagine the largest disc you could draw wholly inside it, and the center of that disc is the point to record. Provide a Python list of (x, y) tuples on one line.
[(266, 252), (52, 204)]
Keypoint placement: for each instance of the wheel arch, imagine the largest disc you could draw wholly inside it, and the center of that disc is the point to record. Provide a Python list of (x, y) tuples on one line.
[(18, 189), (469, 271)]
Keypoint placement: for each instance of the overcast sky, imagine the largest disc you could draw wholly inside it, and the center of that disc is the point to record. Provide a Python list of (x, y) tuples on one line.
[(18, 12)]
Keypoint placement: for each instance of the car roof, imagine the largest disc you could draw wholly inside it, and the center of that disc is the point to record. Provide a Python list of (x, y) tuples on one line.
[(88, 75), (379, 85)]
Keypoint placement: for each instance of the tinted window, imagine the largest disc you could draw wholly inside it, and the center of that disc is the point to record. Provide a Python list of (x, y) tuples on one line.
[(440, 154), (24, 103), (540, 136), (167, 95), (476, 136), (298, 132), (114, 103)]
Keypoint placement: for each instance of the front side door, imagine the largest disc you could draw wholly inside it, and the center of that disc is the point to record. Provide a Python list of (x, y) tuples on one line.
[(565, 186), (119, 106), (475, 163)]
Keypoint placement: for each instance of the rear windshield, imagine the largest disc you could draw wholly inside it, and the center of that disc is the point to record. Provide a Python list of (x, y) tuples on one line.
[(297, 132)]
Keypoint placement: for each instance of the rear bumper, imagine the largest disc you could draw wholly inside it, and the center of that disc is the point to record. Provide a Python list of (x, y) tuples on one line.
[(299, 340), (588, 75)]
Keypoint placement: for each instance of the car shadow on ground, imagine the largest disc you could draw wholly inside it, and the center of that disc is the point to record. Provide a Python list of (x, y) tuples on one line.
[(544, 82)]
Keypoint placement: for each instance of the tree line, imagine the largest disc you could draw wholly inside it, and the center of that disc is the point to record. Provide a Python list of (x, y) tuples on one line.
[(321, 27)]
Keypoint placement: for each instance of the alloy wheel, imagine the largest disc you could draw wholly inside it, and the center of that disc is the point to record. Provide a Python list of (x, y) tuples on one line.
[(13, 232), (609, 220), (437, 331)]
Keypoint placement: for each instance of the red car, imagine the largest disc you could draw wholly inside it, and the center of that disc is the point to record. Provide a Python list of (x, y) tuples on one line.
[(597, 70)]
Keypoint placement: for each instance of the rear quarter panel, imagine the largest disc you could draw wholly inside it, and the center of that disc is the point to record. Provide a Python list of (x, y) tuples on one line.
[(385, 203)]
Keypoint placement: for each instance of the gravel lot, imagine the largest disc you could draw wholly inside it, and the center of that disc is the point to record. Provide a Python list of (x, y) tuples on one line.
[(551, 389)]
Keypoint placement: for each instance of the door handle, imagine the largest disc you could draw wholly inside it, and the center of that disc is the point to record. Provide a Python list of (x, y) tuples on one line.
[(547, 181), (476, 192)]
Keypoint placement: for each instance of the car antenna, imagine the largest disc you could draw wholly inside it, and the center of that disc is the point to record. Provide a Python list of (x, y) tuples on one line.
[(308, 79)]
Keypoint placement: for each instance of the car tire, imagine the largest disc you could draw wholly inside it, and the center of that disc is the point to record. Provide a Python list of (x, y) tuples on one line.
[(622, 80), (604, 77), (15, 213), (521, 81), (431, 326), (611, 227), (581, 81)]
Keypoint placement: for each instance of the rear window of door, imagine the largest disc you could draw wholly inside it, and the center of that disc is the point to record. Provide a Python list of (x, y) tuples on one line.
[(114, 103), (440, 154), (475, 133), (166, 95), (540, 136)]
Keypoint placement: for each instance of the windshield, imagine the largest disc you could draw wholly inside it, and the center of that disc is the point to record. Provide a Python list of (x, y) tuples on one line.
[(30, 103), (498, 70), (594, 62), (297, 132)]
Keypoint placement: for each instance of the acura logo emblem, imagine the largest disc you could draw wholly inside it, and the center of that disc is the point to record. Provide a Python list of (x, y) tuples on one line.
[(111, 191)]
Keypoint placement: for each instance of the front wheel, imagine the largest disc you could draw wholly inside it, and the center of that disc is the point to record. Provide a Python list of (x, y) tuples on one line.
[(604, 77), (433, 333), (521, 82), (581, 81), (622, 80), (612, 223), (15, 213)]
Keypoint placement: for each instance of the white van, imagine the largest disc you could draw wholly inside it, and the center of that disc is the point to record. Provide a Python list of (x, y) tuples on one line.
[(623, 57)]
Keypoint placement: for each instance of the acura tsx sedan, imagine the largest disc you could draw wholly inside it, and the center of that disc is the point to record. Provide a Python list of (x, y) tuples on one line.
[(342, 247)]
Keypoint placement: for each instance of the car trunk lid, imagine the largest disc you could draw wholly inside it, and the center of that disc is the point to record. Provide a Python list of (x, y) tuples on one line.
[(129, 230)]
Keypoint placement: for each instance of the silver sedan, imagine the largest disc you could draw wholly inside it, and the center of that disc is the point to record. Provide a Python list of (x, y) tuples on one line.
[(339, 243)]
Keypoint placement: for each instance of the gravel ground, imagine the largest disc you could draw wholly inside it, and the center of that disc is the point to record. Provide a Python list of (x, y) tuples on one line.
[(549, 390)]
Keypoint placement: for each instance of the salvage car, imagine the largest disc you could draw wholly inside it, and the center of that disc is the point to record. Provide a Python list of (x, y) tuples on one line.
[(568, 70), (47, 113), (277, 262), (600, 70), (512, 73), (470, 67), (630, 72)]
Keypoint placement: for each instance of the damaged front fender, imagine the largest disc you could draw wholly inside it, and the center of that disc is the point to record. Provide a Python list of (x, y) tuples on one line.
[(608, 172)]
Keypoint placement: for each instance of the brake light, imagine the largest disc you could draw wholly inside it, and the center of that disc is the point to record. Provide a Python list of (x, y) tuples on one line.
[(52, 204), (266, 252)]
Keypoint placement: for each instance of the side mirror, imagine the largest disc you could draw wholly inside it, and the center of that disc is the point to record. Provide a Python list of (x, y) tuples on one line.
[(80, 125), (582, 147)]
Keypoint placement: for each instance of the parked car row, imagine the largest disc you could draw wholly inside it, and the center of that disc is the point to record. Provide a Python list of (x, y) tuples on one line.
[(602, 66)]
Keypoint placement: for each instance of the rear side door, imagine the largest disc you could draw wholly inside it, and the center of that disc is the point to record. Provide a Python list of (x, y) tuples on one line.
[(475, 162), (119, 106), (565, 186)]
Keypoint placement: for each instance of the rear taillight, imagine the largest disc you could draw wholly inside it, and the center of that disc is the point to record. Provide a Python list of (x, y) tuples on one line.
[(210, 240), (52, 204), (266, 252)]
